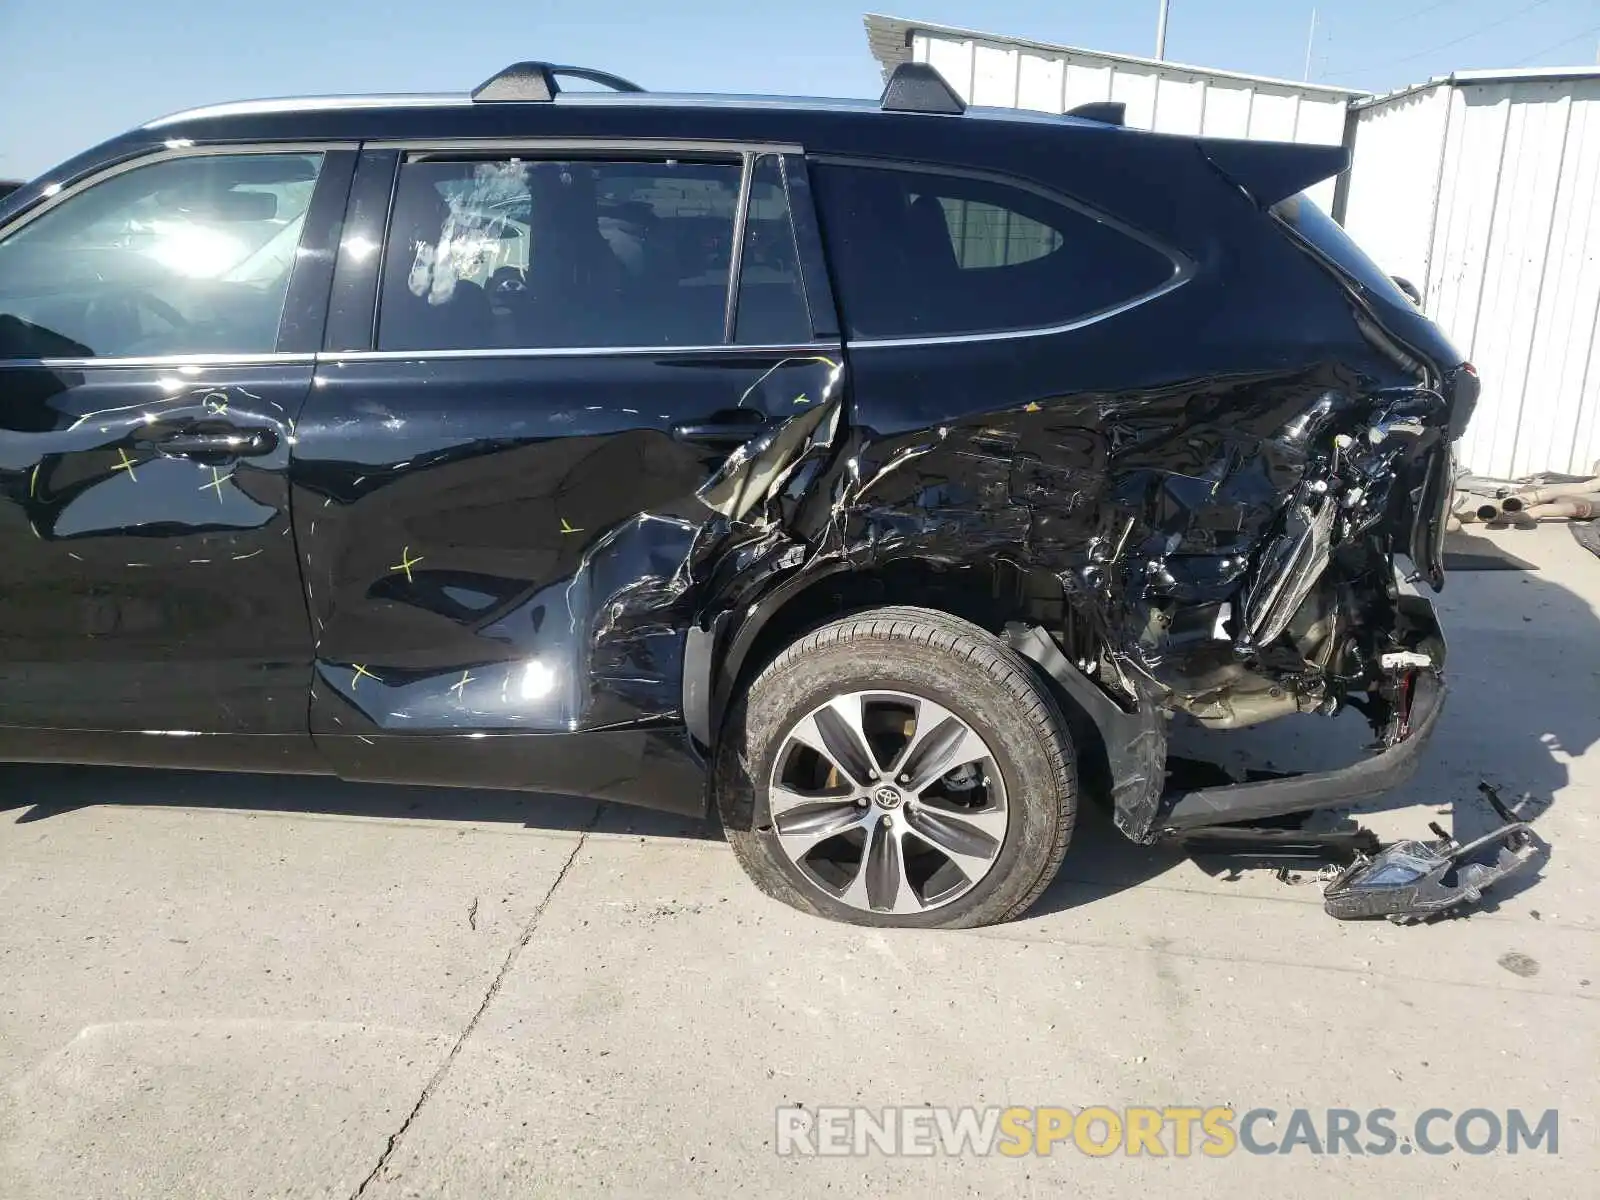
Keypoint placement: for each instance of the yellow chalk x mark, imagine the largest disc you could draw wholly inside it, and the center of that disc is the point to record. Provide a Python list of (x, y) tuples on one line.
[(125, 465), (406, 563), (460, 686), (802, 398), (217, 480), (566, 528), (355, 681)]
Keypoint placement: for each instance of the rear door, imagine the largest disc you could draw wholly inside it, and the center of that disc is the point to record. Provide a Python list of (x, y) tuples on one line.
[(157, 334), (496, 478)]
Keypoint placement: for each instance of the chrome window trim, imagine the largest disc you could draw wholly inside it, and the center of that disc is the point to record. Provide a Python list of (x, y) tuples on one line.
[(1183, 267), (273, 358), (175, 149), (719, 348), (1032, 331)]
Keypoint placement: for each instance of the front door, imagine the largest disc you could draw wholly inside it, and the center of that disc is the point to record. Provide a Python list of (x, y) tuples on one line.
[(496, 496), (157, 330)]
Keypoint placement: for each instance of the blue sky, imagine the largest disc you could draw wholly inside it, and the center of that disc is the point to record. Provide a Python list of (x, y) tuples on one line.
[(75, 71)]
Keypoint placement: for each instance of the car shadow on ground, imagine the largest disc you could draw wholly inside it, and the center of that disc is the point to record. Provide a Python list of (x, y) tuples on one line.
[(44, 791)]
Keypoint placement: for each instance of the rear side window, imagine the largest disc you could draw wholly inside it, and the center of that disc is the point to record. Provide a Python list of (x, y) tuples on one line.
[(928, 254), (190, 255), (558, 254)]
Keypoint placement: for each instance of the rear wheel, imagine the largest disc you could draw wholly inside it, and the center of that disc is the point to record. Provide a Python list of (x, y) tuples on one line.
[(898, 767)]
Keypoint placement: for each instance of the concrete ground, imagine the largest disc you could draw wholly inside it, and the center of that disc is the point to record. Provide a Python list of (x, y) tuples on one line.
[(236, 987)]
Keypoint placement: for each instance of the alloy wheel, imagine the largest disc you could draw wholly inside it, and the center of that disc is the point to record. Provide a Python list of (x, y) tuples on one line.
[(887, 802)]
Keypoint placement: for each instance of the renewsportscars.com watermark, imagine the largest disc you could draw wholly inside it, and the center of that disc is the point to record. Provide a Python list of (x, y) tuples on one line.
[(1171, 1131)]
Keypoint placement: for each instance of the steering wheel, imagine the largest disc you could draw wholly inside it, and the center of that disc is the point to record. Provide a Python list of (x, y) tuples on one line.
[(506, 281)]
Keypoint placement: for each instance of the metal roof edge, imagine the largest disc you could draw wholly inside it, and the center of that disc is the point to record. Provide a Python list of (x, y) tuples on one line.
[(1491, 75), (1515, 74), (892, 36), (282, 104)]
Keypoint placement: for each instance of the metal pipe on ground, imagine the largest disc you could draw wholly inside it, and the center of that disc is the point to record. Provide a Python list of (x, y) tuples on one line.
[(1567, 508), (1548, 493)]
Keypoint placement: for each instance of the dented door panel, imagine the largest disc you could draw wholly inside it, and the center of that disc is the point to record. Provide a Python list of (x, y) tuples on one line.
[(503, 545)]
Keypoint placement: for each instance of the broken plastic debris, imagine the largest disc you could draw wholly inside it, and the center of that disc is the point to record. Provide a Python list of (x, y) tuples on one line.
[(1401, 660), (1413, 881)]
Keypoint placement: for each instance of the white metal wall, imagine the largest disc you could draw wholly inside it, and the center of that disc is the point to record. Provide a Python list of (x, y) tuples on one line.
[(1487, 196), (1168, 98), (1393, 186)]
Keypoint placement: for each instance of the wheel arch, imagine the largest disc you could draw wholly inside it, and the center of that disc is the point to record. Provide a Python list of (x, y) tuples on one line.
[(995, 595)]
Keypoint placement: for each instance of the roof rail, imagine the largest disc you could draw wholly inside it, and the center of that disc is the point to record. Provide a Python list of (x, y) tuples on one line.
[(1107, 112), (919, 88), (536, 81)]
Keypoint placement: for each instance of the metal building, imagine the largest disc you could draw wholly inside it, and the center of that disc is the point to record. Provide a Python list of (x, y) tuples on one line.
[(992, 69), (1483, 189)]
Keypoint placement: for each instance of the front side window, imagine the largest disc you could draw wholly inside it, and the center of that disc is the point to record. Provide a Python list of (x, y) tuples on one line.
[(185, 256), (930, 254), (513, 252)]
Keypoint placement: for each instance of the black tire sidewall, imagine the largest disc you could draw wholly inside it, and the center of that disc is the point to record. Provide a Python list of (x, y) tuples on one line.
[(1039, 788)]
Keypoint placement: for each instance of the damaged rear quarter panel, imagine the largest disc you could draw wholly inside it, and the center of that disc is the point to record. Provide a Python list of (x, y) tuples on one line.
[(1138, 472)]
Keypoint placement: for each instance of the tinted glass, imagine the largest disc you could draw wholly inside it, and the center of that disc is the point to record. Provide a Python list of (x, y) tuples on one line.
[(1331, 241), (513, 253), (986, 235), (772, 303), (186, 256), (917, 254)]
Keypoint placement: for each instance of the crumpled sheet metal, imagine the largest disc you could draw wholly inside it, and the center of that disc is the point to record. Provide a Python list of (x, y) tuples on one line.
[(1125, 513), (602, 647)]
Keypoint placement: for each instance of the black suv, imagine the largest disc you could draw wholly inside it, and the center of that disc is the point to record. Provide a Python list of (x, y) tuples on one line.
[(900, 469)]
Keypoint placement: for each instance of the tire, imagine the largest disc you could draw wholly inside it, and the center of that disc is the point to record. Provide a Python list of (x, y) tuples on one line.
[(888, 664)]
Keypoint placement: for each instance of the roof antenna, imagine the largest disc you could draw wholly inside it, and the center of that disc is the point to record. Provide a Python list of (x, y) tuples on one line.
[(919, 88)]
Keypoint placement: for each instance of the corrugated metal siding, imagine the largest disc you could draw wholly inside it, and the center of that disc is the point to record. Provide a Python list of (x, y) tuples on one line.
[(1395, 186), (1159, 96), (1505, 242)]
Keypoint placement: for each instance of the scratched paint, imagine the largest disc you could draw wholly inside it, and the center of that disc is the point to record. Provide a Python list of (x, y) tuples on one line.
[(139, 580)]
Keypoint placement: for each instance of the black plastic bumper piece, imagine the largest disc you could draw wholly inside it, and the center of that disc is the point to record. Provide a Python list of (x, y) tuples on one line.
[(1245, 802), (1135, 743)]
